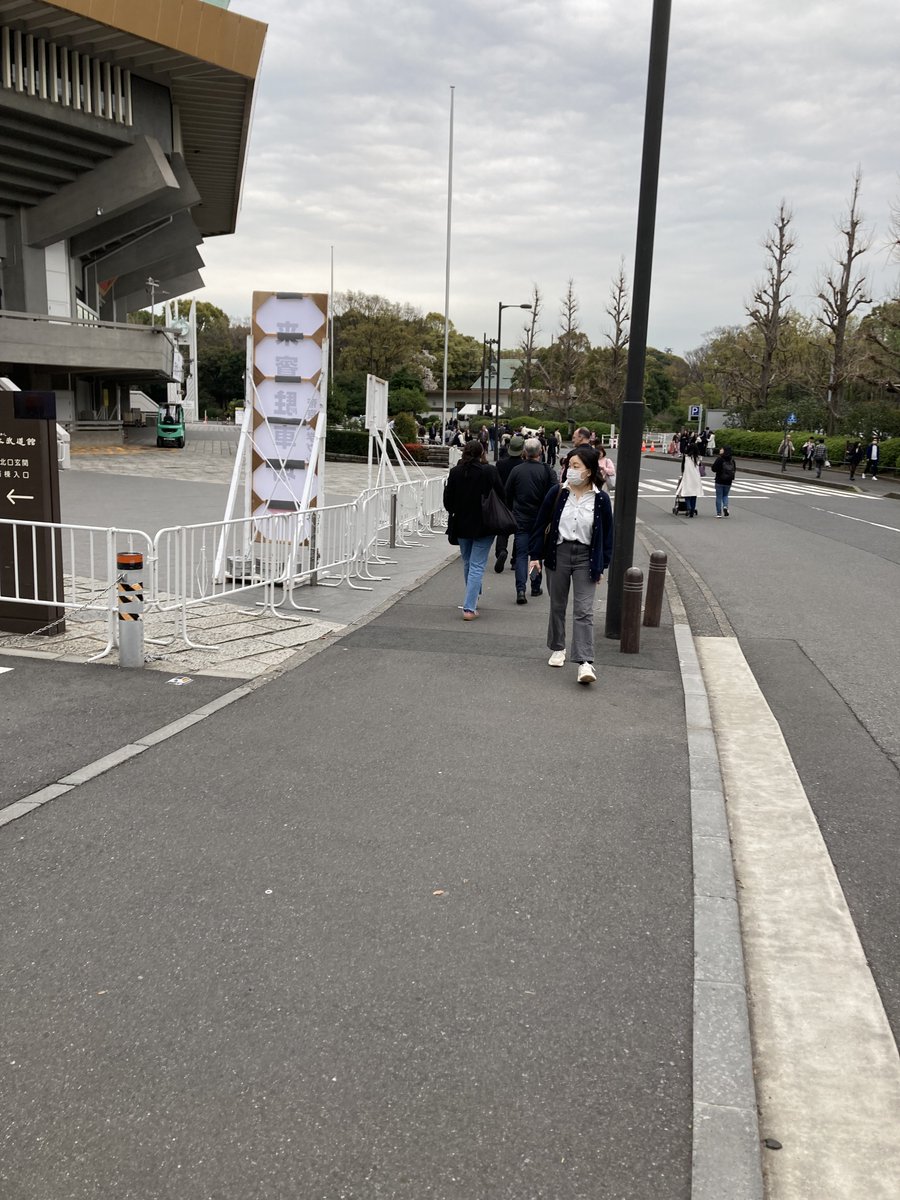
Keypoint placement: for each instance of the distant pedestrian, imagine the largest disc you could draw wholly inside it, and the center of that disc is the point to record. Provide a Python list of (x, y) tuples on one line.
[(552, 447), (573, 539), (785, 450), (607, 469), (468, 482), (724, 470), (820, 456), (872, 456), (855, 455), (581, 437), (807, 449), (507, 464), (690, 486)]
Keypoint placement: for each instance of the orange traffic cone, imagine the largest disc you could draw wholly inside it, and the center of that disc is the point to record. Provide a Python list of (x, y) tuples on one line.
[(643, 447)]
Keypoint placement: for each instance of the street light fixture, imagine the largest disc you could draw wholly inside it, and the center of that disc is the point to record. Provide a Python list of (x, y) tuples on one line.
[(487, 366), (500, 308)]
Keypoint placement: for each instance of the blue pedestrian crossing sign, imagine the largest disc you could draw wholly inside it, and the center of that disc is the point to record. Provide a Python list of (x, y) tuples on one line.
[(695, 411), (792, 419)]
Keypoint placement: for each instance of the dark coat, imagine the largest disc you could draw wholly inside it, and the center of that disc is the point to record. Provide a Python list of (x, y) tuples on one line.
[(466, 485), (526, 487), (544, 548)]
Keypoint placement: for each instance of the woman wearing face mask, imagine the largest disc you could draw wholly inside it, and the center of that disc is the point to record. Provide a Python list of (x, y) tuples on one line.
[(572, 538)]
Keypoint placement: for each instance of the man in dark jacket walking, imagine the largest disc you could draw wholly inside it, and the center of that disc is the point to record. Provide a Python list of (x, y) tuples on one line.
[(527, 485), (507, 462)]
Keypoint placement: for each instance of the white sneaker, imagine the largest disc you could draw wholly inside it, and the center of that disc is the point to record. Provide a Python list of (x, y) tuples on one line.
[(586, 673), (557, 658)]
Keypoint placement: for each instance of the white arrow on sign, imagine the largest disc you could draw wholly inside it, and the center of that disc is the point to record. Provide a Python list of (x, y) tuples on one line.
[(12, 497)]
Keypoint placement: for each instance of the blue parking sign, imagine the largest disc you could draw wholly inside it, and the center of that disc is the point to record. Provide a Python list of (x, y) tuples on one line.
[(695, 411)]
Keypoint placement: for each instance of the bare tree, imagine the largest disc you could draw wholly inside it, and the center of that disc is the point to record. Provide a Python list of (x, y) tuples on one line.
[(767, 310), (841, 293), (527, 370), (618, 311)]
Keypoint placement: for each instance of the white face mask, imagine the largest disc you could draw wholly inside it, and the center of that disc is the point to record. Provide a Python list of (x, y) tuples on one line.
[(576, 478)]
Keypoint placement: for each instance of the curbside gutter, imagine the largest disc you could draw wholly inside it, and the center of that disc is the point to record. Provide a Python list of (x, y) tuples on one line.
[(726, 1147)]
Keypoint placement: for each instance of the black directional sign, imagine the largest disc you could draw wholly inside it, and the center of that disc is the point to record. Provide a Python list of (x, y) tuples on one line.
[(30, 556)]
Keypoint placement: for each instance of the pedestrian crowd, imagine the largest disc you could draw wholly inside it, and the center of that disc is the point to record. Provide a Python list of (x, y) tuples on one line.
[(560, 525)]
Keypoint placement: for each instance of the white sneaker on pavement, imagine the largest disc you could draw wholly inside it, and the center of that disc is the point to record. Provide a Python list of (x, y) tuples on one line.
[(586, 673), (557, 658)]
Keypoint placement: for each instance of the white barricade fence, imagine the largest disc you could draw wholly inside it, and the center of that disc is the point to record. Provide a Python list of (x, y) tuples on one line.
[(79, 570), (189, 565)]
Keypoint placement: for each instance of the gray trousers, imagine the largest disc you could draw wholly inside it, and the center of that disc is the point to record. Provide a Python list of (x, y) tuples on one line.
[(572, 564)]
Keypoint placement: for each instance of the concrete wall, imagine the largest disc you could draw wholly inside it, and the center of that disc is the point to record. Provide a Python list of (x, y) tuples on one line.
[(152, 111), (24, 271)]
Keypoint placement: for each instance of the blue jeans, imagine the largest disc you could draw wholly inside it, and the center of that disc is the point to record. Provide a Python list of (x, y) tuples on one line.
[(722, 492), (474, 553)]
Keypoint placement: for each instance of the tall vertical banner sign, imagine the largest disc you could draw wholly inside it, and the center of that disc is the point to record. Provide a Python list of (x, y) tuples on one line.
[(290, 366)]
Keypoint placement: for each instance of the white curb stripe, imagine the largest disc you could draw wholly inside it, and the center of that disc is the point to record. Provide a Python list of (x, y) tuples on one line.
[(828, 1071)]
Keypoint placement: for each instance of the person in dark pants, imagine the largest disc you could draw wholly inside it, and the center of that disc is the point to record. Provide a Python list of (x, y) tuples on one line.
[(505, 466), (872, 456), (526, 488), (573, 538), (820, 456), (467, 484), (854, 457)]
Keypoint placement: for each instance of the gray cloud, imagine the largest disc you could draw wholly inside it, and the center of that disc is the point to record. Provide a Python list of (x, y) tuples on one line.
[(350, 139)]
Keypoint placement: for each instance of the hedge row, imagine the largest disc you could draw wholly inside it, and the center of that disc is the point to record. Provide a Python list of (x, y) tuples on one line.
[(748, 443)]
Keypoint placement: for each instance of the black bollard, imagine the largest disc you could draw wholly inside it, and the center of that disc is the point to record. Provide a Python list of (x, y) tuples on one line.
[(632, 593), (656, 585)]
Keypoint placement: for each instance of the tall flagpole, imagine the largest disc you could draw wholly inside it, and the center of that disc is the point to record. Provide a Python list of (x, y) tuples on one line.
[(447, 273)]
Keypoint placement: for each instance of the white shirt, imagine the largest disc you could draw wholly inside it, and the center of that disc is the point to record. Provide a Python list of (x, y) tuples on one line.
[(576, 521)]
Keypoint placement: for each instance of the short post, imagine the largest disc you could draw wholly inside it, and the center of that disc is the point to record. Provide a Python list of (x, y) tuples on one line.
[(130, 588), (656, 586), (632, 593), (393, 537)]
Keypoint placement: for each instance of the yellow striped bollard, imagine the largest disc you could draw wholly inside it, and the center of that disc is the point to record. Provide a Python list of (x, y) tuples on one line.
[(130, 589)]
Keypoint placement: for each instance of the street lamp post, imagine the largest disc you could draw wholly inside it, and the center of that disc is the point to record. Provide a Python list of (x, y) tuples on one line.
[(500, 308), (629, 459), (487, 366)]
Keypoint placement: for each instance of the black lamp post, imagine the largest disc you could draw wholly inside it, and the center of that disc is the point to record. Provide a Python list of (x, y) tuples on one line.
[(500, 308), (487, 366)]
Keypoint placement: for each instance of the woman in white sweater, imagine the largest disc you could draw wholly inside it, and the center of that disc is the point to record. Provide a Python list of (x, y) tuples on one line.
[(690, 486)]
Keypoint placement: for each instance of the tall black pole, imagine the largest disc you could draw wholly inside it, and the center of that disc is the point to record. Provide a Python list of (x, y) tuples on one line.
[(484, 346), (500, 308), (628, 463)]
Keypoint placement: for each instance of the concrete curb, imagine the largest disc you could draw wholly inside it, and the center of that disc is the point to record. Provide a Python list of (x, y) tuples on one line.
[(726, 1148)]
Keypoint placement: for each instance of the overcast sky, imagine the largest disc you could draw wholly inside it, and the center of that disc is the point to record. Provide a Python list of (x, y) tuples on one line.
[(349, 148)]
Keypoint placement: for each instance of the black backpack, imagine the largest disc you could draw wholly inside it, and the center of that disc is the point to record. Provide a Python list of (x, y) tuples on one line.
[(726, 471)]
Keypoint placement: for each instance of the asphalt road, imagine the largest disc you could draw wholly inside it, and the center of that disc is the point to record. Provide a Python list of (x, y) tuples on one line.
[(808, 580), (413, 920)]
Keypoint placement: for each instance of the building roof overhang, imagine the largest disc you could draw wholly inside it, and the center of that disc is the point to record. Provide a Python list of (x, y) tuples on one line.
[(206, 56)]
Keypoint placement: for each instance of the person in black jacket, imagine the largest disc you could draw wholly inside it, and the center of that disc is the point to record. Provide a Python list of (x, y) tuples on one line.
[(505, 466), (526, 487), (573, 537), (468, 482)]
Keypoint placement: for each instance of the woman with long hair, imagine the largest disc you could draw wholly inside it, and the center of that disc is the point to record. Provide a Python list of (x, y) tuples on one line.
[(690, 486), (468, 482), (572, 538)]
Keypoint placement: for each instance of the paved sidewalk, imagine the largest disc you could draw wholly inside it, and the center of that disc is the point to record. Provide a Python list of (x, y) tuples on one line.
[(413, 919)]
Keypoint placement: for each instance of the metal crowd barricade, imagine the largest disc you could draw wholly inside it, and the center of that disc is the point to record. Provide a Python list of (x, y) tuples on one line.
[(257, 556), (82, 572), (189, 565)]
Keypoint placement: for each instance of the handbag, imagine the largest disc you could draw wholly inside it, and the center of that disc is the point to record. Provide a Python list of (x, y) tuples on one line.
[(496, 516), (451, 530), (703, 469)]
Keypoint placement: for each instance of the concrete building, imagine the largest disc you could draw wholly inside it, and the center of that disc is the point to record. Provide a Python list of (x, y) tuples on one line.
[(123, 137)]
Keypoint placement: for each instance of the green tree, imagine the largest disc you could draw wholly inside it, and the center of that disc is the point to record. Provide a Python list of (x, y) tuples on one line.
[(374, 335), (463, 354)]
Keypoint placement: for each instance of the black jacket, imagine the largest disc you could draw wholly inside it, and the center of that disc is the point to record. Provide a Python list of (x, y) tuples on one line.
[(527, 485), (465, 486)]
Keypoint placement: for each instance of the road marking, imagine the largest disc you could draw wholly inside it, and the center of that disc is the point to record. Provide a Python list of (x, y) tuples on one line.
[(826, 1063), (3, 670), (892, 528)]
